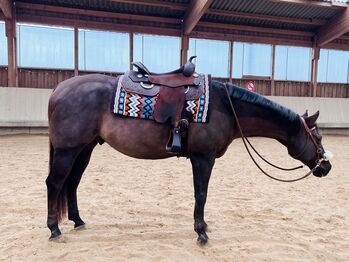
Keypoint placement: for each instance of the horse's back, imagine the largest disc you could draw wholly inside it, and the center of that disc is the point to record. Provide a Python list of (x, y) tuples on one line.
[(76, 107)]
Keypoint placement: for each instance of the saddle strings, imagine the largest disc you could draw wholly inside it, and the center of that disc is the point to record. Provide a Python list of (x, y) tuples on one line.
[(254, 161)]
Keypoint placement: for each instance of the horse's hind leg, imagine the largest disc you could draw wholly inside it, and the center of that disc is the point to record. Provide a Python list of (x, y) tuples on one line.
[(61, 163), (202, 165), (73, 181)]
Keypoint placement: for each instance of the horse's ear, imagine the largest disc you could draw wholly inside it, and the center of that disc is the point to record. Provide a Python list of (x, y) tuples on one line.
[(305, 114), (311, 120)]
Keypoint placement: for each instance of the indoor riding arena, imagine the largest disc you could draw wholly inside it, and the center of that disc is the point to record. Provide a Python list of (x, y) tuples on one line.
[(143, 195)]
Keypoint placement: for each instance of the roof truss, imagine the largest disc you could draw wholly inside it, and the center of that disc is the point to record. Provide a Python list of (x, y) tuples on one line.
[(193, 14), (335, 28), (6, 7)]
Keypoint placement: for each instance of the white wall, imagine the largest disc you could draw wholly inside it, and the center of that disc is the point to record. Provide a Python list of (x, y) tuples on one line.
[(334, 112), (23, 107), (27, 107)]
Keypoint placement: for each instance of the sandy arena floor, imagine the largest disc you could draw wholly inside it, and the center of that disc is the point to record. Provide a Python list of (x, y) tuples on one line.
[(142, 210)]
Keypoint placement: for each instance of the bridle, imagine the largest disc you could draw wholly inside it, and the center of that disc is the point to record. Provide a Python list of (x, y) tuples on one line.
[(319, 149)]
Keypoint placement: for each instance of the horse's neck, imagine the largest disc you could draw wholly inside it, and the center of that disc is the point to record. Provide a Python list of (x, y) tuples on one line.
[(259, 121)]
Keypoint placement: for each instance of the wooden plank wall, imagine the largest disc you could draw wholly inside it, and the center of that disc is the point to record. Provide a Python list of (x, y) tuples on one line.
[(292, 88), (263, 87), (332, 90), (49, 78), (42, 78)]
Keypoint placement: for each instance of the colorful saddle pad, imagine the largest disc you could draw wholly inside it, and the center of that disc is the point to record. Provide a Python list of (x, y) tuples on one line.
[(142, 106)]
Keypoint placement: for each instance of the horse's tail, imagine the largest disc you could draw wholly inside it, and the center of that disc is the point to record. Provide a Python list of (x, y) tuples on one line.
[(62, 200), (62, 203)]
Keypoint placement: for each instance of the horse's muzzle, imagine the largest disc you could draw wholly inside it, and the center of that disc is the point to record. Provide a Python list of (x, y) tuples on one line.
[(323, 169)]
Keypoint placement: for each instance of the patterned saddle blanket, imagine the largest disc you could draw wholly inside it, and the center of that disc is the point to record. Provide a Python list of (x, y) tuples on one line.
[(140, 100)]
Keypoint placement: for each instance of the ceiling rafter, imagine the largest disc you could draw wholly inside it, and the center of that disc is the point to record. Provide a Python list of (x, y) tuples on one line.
[(6, 8), (104, 14), (86, 24), (335, 28), (195, 11)]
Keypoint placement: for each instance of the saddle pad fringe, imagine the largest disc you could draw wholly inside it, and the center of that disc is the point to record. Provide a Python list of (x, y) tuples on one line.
[(141, 106)]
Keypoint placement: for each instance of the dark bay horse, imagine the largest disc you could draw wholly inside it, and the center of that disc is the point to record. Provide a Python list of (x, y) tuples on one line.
[(80, 117)]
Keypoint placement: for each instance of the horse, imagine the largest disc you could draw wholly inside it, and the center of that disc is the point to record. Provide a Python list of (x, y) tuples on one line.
[(80, 118)]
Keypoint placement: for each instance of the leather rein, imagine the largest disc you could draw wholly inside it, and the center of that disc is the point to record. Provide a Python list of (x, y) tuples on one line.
[(319, 150)]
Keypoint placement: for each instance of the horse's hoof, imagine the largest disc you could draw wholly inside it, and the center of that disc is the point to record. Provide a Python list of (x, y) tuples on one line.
[(78, 222), (202, 240), (55, 233), (80, 227), (57, 239)]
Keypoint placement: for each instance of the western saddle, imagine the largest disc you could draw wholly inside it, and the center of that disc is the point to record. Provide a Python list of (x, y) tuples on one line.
[(172, 90)]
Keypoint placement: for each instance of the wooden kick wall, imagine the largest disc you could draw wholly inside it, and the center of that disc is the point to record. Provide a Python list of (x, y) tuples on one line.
[(49, 78)]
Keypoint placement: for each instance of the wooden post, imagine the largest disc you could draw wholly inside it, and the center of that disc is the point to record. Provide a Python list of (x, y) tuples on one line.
[(314, 68), (184, 49), (10, 24), (131, 49), (272, 83), (231, 54), (76, 51)]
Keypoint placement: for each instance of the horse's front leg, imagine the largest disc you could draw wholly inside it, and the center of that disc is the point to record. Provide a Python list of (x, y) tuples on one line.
[(202, 165)]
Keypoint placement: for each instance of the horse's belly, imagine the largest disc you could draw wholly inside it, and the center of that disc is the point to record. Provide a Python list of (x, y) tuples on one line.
[(136, 137)]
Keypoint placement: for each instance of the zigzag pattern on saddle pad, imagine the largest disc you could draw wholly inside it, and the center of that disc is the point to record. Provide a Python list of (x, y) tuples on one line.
[(141, 106)]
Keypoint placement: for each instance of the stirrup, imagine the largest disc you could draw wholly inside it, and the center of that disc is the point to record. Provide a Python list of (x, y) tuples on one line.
[(174, 142)]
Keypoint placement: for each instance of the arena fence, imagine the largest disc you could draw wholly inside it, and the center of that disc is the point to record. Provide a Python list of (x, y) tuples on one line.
[(24, 110)]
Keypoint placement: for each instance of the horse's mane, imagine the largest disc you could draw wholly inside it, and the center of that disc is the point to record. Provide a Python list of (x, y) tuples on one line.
[(243, 94)]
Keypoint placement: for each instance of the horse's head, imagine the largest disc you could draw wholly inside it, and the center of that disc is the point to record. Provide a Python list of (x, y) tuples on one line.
[(306, 146)]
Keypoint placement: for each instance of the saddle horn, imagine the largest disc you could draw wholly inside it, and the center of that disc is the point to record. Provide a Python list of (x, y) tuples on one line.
[(189, 67)]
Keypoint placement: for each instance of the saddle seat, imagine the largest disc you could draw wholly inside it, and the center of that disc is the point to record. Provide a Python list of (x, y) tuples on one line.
[(187, 70)]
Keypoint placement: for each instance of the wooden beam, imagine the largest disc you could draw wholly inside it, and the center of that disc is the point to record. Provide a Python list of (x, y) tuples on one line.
[(290, 20), (337, 46), (255, 29), (6, 8), (313, 3), (55, 21), (77, 11), (314, 68), (336, 27), (193, 14), (252, 39), (184, 49), (76, 51)]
